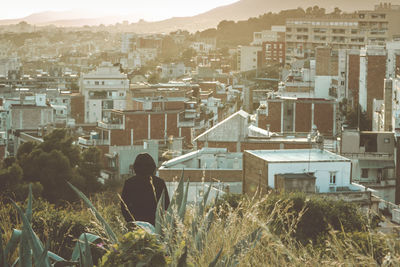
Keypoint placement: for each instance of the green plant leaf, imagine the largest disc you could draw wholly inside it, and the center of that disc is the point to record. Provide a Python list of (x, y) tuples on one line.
[(12, 243), (25, 252), (33, 240), (177, 196), (107, 228), (182, 209), (159, 220), (3, 260), (148, 227), (28, 211), (91, 238), (203, 202), (88, 253)]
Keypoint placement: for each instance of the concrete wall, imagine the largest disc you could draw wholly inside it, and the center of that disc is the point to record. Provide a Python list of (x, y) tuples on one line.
[(303, 184), (128, 154), (197, 175), (255, 173), (322, 85), (321, 171)]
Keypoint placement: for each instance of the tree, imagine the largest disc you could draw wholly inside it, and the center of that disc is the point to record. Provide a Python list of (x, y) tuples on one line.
[(56, 161), (89, 169), (59, 140)]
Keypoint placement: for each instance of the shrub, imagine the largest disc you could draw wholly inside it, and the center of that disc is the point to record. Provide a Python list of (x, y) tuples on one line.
[(61, 226), (137, 248), (312, 218)]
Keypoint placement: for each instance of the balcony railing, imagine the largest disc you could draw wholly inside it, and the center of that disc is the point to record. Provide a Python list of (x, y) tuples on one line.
[(110, 126), (93, 142), (368, 155), (188, 123)]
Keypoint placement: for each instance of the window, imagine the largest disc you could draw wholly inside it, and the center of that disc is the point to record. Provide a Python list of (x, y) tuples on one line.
[(364, 173), (102, 83), (332, 178), (96, 83)]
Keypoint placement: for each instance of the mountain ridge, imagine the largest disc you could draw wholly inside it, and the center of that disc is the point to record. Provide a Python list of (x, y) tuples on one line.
[(240, 10)]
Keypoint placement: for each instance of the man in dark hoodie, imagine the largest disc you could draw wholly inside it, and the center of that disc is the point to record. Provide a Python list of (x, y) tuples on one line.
[(142, 191)]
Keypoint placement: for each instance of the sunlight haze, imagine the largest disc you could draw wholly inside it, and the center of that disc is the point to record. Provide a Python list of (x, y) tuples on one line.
[(148, 10)]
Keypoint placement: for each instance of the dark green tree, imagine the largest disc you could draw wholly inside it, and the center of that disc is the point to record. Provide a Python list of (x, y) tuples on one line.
[(89, 169)]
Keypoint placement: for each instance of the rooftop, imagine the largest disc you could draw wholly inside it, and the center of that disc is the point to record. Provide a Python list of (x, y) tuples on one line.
[(297, 155)]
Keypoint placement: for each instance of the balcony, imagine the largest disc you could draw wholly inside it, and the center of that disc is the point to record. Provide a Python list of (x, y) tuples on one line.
[(111, 126), (93, 142), (186, 123), (368, 155)]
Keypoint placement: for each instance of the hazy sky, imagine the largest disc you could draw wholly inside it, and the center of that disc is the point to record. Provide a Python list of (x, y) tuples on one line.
[(147, 9)]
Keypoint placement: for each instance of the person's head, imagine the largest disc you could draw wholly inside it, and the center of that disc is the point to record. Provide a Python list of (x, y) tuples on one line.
[(144, 165)]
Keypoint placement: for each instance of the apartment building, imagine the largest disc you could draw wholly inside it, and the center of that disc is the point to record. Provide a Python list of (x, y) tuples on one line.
[(373, 157), (104, 89), (282, 115), (249, 58), (272, 43), (347, 31)]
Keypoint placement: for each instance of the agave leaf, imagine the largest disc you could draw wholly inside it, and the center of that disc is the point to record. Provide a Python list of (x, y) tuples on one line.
[(81, 258), (182, 209), (88, 254), (76, 254), (148, 227), (44, 259), (28, 211), (215, 260), (205, 227), (66, 263), (54, 256), (182, 262), (2, 253), (203, 202), (160, 214), (33, 240), (177, 196), (25, 252), (12, 243), (107, 228)]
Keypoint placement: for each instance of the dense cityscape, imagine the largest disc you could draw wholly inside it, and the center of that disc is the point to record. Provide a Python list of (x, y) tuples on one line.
[(286, 123)]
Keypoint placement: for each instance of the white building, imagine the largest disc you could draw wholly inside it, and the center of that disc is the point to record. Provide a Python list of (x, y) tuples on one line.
[(103, 89), (173, 70), (203, 47), (248, 57), (206, 167), (261, 167)]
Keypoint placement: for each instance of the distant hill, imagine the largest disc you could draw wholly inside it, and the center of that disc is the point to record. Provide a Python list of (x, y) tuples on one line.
[(241, 10)]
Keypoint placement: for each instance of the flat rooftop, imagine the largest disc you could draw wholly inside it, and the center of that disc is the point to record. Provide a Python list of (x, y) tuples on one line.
[(297, 155)]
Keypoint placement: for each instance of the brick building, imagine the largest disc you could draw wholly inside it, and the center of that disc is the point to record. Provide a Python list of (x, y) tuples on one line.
[(126, 127), (284, 115)]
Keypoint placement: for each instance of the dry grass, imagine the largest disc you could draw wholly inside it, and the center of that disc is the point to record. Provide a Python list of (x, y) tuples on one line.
[(339, 249)]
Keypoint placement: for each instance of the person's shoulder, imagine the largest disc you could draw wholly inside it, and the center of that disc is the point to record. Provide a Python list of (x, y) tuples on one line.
[(130, 180), (158, 180)]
